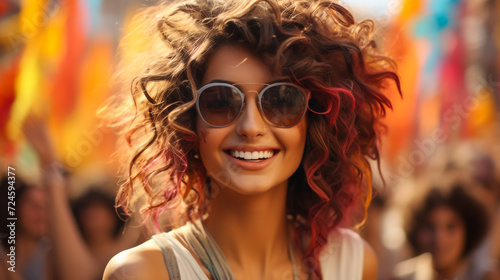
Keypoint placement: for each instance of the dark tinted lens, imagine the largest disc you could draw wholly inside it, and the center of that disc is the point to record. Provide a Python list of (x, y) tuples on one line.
[(283, 105), (219, 105)]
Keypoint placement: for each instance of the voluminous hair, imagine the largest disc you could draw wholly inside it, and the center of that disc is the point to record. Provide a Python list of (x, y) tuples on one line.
[(316, 43)]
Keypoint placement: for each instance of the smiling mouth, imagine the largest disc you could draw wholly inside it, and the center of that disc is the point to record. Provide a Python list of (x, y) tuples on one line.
[(253, 155)]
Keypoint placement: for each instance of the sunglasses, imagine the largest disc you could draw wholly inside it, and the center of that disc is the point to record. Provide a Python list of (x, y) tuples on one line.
[(281, 104)]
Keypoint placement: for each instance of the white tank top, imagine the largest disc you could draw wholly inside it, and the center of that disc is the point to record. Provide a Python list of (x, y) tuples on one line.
[(340, 259)]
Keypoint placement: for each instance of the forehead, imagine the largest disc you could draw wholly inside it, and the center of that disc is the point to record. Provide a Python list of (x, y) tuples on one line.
[(235, 63), (35, 194), (443, 213)]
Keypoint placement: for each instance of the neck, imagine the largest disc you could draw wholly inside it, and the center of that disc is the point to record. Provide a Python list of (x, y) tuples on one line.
[(250, 229), (25, 246), (99, 238), (448, 273), (26, 240)]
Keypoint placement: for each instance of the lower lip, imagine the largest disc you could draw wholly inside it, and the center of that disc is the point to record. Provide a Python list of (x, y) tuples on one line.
[(251, 165)]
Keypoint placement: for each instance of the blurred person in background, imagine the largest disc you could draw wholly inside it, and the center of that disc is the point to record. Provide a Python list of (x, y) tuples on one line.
[(483, 170), (74, 254), (101, 226), (475, 159), (70, 256), (446, 221), (32, 247)]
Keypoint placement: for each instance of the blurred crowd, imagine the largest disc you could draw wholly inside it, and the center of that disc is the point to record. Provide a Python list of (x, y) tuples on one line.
[(57, 237)]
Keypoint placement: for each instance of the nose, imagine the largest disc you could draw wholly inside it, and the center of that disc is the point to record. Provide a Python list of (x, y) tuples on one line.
[(251, 124), (440, 236)]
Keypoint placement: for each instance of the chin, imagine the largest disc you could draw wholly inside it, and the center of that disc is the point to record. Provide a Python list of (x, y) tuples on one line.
[(250, 190), (442, 264), (244, 186)]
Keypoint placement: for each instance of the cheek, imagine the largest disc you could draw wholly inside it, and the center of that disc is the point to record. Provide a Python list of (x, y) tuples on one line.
[(458, 235), (201, 130), (424, 238), (295, 138), (210, 143), (293, 141)]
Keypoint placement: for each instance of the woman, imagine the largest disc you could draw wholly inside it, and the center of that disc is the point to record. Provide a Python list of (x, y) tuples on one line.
[(103, 231), (446, 222), (73, 254), (251, 120), (31, 244)]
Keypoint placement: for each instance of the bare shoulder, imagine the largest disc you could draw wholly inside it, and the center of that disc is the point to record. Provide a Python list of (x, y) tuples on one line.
[(141, 262), (370, 262)]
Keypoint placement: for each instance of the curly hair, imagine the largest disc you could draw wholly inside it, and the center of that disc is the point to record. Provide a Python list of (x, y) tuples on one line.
[(316, 43)]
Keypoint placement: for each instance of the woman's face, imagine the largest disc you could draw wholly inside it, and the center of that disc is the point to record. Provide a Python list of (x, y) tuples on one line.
[(97, 220), (443, 235), (33, 216), (250, 132)]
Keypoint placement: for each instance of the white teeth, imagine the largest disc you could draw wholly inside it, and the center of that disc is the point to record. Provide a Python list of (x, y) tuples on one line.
[(255, 155), (248, 155)]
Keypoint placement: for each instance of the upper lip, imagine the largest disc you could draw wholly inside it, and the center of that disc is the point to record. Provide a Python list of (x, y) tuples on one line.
[(251, 148)]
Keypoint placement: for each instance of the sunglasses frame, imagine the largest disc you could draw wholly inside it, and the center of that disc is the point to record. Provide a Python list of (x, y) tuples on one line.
[(260, 93)]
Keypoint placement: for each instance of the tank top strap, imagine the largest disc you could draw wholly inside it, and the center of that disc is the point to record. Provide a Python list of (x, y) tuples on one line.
[(207, 250), (342, 257), (180, 262), (169, 257)]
